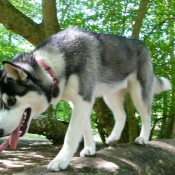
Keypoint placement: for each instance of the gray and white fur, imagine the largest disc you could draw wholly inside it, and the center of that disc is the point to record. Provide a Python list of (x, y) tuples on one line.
[(87, 65)]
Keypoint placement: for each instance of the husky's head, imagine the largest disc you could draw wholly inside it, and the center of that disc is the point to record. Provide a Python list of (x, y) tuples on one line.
[(24, 93)]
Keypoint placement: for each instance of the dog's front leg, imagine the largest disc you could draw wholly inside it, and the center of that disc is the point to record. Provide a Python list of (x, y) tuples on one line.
[(80, 114), (89, 143)]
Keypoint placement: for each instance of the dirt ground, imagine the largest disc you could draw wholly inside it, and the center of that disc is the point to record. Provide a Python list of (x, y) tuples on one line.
[(29, 154)]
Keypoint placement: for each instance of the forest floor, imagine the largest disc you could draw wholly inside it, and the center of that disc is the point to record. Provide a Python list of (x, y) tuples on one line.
[(30, 153)]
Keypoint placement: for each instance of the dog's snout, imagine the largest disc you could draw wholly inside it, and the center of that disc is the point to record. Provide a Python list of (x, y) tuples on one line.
[(1, 132)]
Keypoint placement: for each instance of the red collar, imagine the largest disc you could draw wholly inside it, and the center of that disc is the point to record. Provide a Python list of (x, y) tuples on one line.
[(49, 71)]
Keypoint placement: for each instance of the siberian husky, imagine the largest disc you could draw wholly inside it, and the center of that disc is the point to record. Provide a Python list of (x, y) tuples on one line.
[(78, 66)]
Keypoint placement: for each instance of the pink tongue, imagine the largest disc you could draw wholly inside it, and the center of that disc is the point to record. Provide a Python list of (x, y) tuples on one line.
[(14, 137)]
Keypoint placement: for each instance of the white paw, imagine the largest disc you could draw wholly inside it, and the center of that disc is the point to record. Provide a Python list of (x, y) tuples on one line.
[(87, 151), (111, 139), (58, 164), (141, 140)]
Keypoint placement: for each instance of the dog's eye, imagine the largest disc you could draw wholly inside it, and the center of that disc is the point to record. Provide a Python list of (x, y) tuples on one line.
[(11, 101)]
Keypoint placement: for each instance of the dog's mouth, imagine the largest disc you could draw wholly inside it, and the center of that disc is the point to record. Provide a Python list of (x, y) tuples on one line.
[(20, 130)]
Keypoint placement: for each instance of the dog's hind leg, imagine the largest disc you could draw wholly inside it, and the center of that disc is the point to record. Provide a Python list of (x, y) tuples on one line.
[(142, 98), (115, 103), (89, 143), (81, 113)]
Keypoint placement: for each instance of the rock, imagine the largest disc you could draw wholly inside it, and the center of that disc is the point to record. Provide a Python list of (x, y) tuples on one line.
[(156, 158)]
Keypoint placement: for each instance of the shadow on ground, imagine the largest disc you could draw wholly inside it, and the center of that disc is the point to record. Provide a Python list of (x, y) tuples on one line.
[(30, 153)]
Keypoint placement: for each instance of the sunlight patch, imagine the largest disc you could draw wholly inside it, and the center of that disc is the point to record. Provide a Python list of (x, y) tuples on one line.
[(17, 164), (108, 166), (135, 166), (10, 163)]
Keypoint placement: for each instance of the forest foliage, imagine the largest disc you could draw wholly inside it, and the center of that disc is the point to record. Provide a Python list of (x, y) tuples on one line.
[(116, 17)]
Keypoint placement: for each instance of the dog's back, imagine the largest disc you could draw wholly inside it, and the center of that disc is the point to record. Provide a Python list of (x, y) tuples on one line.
[(101, 58)]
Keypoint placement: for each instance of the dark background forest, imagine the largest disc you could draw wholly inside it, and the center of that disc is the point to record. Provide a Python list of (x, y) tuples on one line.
[(24, 24)]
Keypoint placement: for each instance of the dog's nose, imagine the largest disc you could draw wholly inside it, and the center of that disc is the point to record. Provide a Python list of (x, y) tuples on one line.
[(1, 132)]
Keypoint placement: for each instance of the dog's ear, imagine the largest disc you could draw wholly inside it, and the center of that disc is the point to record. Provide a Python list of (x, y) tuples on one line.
[(1, 75), (13, 71), (1, 72)]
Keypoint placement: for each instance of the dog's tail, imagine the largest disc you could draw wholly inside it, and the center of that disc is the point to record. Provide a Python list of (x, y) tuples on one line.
[(161, 84)]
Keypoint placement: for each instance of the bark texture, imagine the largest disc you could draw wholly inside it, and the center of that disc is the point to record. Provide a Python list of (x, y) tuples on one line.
[(125, 159), (50, 20), (139, 19), (105, 120), (15, 20), (53, 129)]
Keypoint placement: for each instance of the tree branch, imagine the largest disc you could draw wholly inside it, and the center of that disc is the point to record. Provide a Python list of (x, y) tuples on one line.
[(158, 25), (15, 20), (139, 19), (65, 11), (50, 21)]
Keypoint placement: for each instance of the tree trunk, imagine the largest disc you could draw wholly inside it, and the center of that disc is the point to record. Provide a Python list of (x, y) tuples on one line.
[(170, 128), (106, 120), (139, 19), (165, 114), (132, 122), (50, 21), (52, 128)]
